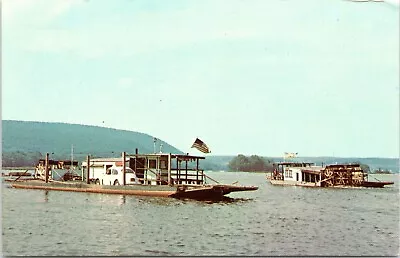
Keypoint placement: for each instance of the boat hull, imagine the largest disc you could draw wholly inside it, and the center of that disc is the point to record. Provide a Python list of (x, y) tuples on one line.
[(96, 190), (210, 192), (203, 192), (379, 184), (294, 183)]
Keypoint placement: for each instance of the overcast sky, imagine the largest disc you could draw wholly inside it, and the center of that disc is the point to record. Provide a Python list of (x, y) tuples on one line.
[(317, 77)]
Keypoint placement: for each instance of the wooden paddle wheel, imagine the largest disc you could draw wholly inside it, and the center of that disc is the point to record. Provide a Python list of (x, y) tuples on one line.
[(342, 175), (328, 179)]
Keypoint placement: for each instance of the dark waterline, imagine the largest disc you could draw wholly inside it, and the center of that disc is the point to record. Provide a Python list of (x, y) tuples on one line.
[(271, 221)]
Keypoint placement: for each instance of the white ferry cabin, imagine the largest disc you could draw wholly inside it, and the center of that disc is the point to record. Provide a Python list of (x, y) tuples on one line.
[(297, 173), (146, 169)]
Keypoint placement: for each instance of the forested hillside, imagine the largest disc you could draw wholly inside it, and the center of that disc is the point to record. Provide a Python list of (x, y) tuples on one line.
[(23, 143)]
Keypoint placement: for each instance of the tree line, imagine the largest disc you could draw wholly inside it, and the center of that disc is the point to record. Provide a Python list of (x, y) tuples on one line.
[(20, 159), (253, 163)]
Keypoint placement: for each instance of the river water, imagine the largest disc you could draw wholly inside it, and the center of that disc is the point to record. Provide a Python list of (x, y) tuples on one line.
[(271, 221)]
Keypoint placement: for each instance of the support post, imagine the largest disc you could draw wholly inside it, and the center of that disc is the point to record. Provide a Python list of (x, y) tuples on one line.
[(186, 174), (123, 168), (178, 171), (88, 169), (136, 157), (197, 171), (169, 169), (46, 168)]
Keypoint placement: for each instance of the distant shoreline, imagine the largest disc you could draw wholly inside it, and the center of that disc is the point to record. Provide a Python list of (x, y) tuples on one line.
[(380, 173)]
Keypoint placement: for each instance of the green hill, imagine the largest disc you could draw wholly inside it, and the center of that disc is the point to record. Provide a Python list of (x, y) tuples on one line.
[(26, 142), (23, 142)]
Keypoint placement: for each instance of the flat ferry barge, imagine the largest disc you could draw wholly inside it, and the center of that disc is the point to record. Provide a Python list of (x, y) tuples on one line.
[(158, 174)]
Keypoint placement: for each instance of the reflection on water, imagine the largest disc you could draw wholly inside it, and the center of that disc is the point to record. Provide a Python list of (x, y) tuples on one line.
[(46, 196), (224, 200), (122, 200), (153, 200)]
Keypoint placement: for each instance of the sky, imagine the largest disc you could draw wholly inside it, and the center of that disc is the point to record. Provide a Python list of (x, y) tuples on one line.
[(317, 77)]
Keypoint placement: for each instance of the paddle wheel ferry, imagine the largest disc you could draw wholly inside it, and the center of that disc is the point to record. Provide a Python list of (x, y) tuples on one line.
[(308, 174)]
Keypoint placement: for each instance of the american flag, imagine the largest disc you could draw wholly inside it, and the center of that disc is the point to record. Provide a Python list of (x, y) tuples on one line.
[(201, 146), (290, 155)]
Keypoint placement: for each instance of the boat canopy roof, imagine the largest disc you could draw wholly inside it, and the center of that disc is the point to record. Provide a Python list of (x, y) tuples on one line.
[(151, 155), (56, 162), (173, 156), (106, 159), (312, 171), (350, 165), (294, 163)]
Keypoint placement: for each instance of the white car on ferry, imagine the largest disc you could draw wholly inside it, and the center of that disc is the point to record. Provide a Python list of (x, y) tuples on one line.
[(114, 176)]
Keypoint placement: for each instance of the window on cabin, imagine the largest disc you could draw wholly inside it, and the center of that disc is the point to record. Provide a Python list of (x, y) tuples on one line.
[(163, 164), (152, 163)]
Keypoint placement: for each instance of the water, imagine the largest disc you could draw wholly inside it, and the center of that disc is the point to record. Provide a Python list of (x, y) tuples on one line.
[(272, 221)]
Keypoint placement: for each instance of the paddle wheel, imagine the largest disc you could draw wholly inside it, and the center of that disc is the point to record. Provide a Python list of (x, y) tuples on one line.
[(358, 176), (327, 178), (343, 175)]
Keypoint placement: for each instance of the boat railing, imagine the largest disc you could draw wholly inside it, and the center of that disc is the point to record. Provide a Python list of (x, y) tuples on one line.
[(179, 176), (215, 181), (156, 174), (201, 178)]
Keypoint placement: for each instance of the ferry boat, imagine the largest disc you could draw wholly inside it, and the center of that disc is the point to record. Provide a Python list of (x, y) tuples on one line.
[(156, 174), (310, 175), (63, 170)]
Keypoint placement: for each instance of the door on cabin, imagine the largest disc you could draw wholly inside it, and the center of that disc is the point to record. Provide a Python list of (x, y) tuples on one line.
[(138, 165)]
